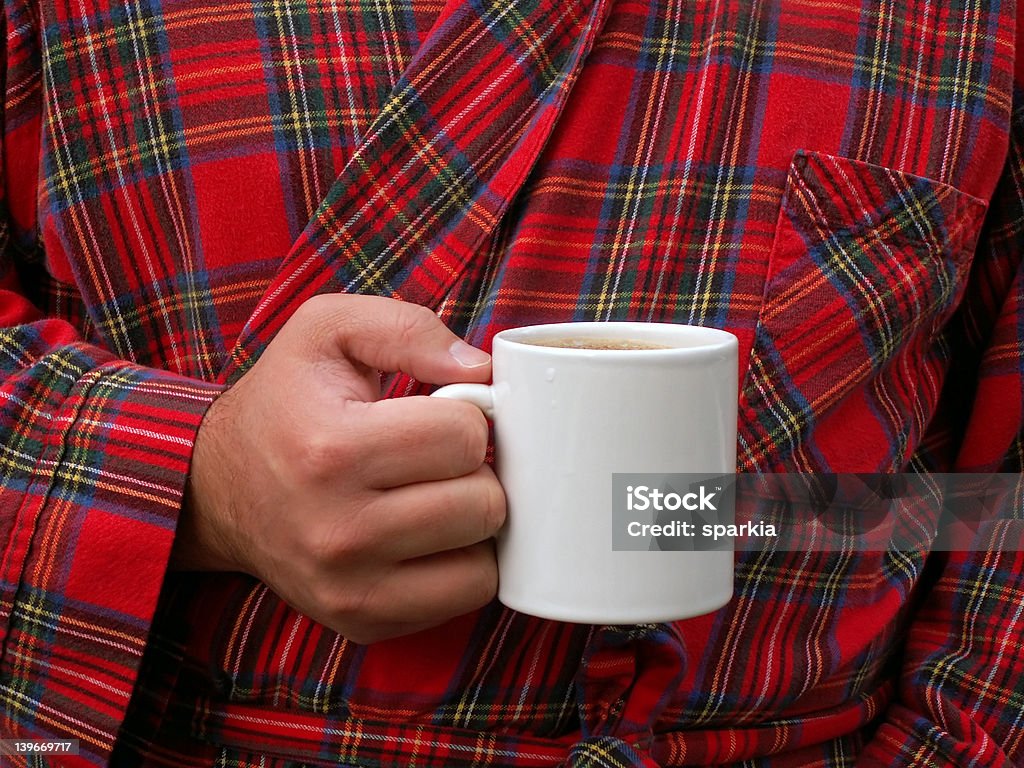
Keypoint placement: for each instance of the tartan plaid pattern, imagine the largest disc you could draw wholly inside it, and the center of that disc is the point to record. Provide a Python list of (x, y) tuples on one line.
[(879, 257), (838, 184)]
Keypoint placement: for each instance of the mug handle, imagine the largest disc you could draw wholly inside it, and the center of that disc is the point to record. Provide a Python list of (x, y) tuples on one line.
[(480, 395)]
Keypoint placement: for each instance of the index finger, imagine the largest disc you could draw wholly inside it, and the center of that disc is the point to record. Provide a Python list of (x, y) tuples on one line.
[(418, 439)]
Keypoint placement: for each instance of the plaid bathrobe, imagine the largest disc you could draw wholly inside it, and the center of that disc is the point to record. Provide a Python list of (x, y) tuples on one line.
[(839, 184)]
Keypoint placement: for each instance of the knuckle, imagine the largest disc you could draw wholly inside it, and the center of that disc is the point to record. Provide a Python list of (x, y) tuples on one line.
[(421, 316), (314, 324), (351, 605), (356, 542), (346, 540), (309, 313), (317, 305), (350, 609), (327, 549), (411, 321), (316, 457), (320, 455), (346, 622)]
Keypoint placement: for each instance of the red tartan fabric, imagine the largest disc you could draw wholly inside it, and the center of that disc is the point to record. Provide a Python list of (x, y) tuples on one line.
[(839, 184)]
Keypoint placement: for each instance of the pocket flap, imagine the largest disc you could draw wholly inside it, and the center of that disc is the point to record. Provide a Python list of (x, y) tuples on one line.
[(866, 267)]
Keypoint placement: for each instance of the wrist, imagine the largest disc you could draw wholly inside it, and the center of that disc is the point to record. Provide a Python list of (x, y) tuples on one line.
[(201, 543)]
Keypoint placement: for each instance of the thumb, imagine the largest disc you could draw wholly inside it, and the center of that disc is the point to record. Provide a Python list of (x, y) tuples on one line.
[(391, 336)]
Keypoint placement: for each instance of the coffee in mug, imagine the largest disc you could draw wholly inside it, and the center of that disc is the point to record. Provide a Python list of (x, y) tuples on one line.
[(596, 343)]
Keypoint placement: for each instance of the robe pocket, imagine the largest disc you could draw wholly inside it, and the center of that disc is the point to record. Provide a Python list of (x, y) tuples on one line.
[(867, 266)]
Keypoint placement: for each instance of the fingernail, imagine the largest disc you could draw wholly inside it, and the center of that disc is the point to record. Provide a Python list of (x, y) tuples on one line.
[(468, 357)]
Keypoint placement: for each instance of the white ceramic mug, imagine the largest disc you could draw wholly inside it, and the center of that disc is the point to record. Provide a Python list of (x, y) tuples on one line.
[(566, 419)]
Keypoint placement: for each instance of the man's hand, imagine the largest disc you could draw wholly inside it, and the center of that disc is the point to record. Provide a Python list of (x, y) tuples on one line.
[(373, 517)]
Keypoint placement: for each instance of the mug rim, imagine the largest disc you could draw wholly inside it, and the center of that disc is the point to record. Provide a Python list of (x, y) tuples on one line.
[(699, 338)]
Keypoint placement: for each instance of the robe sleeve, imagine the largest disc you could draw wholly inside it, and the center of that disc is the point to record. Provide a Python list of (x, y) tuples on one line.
[(94, 456)]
